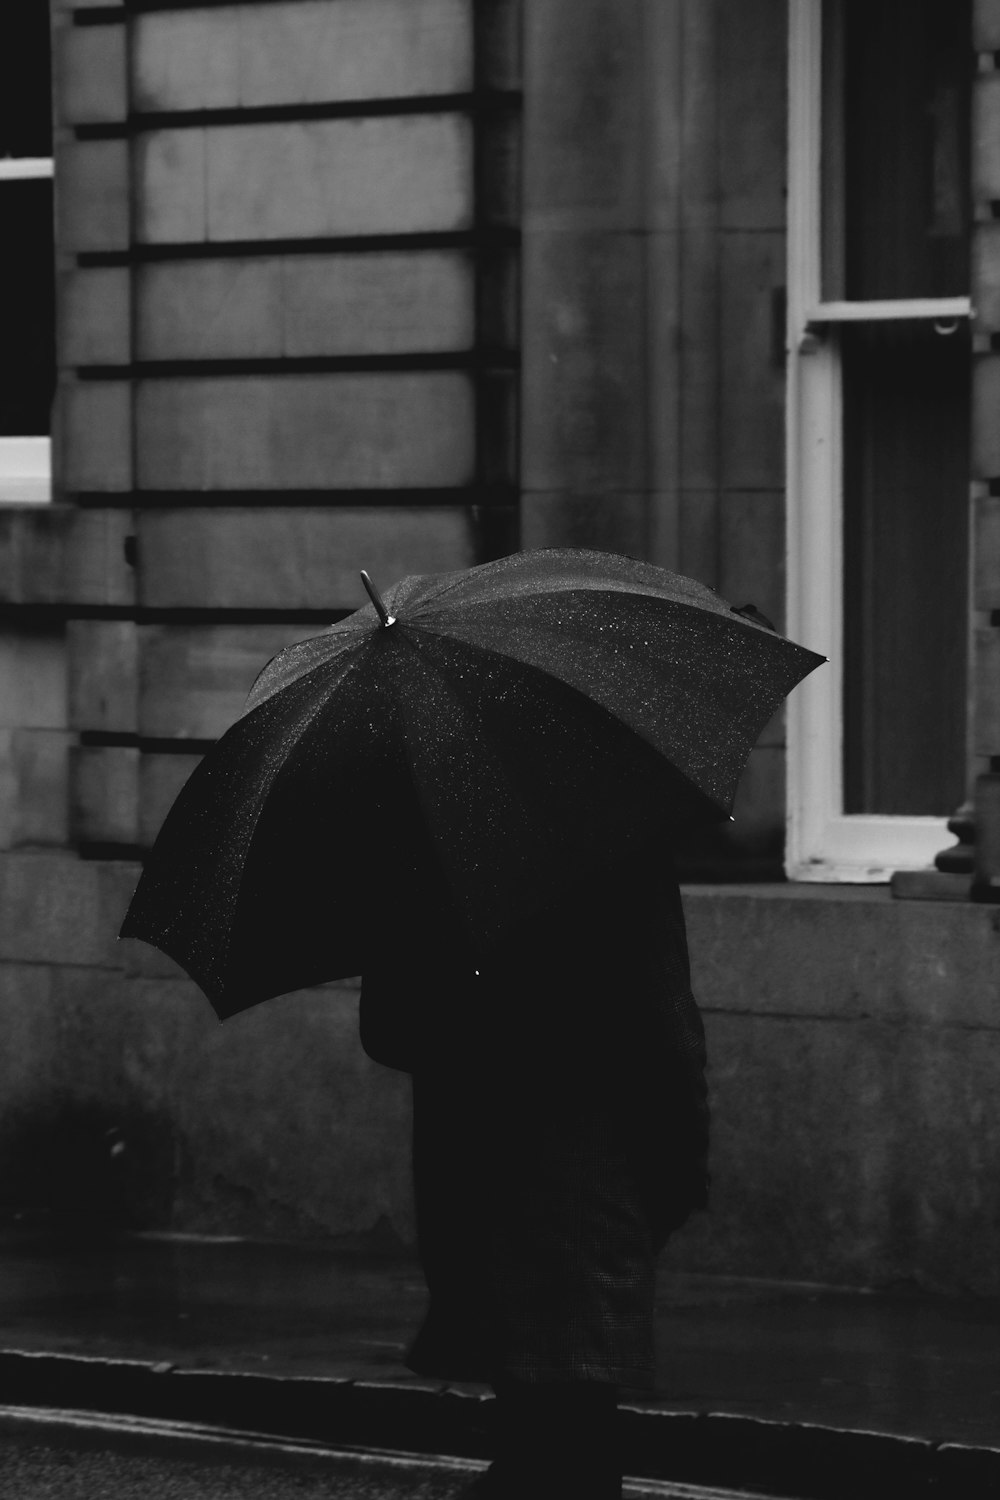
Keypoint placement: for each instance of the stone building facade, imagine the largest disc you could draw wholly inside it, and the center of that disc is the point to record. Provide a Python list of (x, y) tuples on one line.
[(405, 285)]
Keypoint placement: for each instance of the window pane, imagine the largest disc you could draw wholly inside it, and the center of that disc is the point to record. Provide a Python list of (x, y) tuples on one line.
[(25, 86), (897, 105), (27, 272), (906, 498)]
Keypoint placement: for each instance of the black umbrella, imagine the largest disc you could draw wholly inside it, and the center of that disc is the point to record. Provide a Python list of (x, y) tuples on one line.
[(467, 749)]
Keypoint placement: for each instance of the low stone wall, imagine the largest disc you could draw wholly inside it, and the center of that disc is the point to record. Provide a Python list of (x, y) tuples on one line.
[(854, 1045), (855, 1071)]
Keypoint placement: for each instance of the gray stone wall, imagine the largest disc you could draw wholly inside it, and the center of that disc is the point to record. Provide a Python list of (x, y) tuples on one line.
[(854, 1050)]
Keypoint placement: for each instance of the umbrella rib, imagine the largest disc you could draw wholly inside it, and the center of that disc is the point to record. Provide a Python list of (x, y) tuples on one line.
[(363, 631), (700, 593)]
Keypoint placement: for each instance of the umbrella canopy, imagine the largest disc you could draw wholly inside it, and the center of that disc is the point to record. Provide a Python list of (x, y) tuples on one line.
[(467, 749)]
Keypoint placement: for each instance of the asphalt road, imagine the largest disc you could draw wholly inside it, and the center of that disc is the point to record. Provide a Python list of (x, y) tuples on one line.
[(49, 1455)]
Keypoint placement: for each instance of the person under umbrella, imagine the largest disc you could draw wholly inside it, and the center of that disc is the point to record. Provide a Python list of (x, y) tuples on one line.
[(506, 752), (560, 1133)]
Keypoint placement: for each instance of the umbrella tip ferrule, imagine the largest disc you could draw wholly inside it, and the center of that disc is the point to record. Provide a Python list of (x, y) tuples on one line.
[(376, 598)]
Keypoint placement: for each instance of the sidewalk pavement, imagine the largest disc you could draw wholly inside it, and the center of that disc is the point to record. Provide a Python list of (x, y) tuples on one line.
[(792, 1389)]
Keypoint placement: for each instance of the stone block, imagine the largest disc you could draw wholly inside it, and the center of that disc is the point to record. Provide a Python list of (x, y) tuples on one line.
[(986, 276), (986, 416), (986, 697), (882, 1179), (34, 788), (663, 541), (62, 555), (92, 196), (58, 909), (292, 558), (814, 951), (381, 175), (752, 390), (986, 137), (170, 187), (750, 79), (302, 52), (584, 428), (96, 568), (608, 521), (161, 778), (986, 25), (303, 305), (95, 424), (319, 432), (90, 81), (32, 677), (698, 535), (94, 317), (104, 794), (25, 1062), (986, 552), (666, 86), (583, 115), (210, 309), (103, 676), (827, 1181), (187, 60), (386, 303), (325, 1150), (752, 548), (195, 678), (84, 1134)]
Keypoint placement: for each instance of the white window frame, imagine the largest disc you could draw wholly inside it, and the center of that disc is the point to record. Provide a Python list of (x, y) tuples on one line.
[(25, 462), (823, 843)]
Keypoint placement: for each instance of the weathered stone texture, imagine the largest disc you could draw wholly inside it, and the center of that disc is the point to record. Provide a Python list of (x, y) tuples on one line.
[(304, 305), (304, 52), (379, 175), (295, 432), (291, 557)]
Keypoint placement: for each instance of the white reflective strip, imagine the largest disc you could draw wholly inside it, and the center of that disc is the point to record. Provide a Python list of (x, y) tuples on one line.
[(891, 310), (13, 168), (26, 470)]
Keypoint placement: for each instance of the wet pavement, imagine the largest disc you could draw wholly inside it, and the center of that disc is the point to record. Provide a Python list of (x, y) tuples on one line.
[(905, 1366), (911, 1365)]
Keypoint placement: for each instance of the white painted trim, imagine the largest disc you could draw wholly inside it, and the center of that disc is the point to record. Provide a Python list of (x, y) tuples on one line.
[(881, 312), (823, 844), (14, 168), (25, 470)]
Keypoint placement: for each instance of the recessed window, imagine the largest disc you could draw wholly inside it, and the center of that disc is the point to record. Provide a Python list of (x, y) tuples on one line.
[(878, 423), (27, 262)]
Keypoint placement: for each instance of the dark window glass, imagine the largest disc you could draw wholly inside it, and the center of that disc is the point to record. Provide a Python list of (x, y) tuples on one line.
[(25, 88), (906, 499), (27, 333), (897, 107)]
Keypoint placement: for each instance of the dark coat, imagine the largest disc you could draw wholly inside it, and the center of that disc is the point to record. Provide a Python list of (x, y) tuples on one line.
[(560, 1128)]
